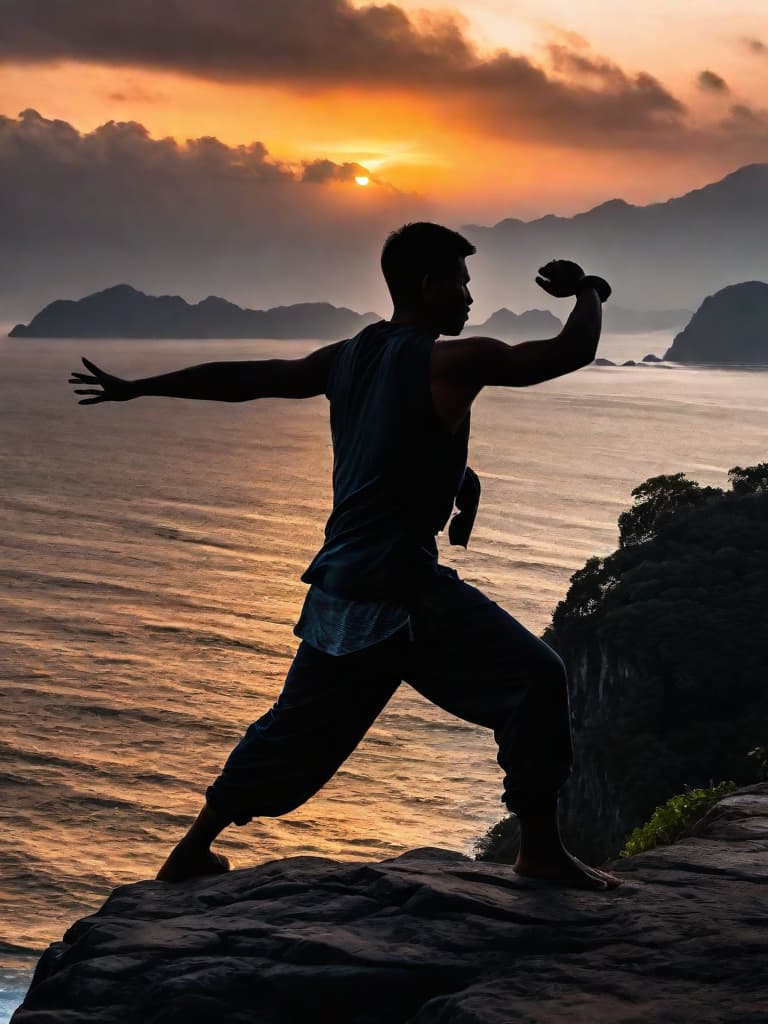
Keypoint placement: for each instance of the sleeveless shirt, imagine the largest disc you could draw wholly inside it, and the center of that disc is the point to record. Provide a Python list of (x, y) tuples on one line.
[(396, 473)]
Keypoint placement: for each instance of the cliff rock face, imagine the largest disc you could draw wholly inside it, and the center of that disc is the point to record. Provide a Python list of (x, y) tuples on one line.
[(124, 312), (431, 937), (730, 326)]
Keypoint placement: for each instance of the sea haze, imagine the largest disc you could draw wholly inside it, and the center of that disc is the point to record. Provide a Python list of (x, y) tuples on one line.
[(151, 554)]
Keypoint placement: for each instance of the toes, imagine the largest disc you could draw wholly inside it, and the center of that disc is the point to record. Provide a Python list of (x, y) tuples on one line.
[(612, 880)]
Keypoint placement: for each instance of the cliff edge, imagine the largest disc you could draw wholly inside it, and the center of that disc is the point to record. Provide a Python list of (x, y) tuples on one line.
[(431, 936)]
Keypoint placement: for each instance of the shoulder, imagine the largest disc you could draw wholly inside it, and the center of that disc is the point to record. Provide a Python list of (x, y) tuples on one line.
[(465, 360)]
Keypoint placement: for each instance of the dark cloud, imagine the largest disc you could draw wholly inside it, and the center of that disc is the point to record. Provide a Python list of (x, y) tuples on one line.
[(240, 39), (591, 98), (710, 81), (744, 122), (754, 45), (82, 211), (320, 171), (132, 92), (330, 42)]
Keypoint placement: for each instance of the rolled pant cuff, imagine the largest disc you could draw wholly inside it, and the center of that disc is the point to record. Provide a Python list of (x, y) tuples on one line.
[(222, 811)]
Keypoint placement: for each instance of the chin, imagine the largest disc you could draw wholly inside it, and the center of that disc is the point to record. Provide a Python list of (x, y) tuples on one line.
[(453, 329)]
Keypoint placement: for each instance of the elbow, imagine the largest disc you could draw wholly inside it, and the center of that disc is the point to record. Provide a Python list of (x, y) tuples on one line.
[(582, 347)]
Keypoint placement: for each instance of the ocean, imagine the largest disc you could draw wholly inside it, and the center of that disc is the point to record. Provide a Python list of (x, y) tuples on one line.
[(151, 554)]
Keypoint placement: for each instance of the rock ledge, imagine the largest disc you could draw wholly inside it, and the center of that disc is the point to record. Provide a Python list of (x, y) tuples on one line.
[(431, 936)]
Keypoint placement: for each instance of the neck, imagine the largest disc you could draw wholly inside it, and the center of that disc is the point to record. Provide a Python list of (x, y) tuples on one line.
[(413, 318)]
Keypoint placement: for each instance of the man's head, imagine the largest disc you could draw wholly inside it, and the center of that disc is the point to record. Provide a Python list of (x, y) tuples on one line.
[(423, 265)]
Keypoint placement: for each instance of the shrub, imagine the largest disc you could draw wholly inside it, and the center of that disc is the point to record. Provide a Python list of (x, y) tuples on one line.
[(672, 820)]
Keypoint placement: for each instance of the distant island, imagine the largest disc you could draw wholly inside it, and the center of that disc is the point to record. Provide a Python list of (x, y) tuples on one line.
[(124, 312), (504, 324), (730, 326)]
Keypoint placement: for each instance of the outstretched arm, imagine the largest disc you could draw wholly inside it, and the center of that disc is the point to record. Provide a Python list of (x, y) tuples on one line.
[(218, 382), (480, 362)]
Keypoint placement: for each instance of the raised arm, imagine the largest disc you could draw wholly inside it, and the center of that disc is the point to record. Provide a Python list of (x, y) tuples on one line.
[(232, 381), (480, 362)]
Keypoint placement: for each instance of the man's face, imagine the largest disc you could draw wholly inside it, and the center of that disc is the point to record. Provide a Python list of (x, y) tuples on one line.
[(447, 300)]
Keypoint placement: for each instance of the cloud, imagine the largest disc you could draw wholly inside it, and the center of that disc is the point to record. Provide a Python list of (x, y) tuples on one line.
[(746, 122), (332, 43), (754, 45), (86, 210), (710, 81), (321, 171), (123, 150), (132, 92)]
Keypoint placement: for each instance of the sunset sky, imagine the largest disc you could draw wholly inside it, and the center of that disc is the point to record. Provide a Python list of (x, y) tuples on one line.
[(469, 112)]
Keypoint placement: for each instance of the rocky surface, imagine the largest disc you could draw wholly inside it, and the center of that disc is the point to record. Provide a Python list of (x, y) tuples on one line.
[(730, 326), (432, 937), (124, 312)]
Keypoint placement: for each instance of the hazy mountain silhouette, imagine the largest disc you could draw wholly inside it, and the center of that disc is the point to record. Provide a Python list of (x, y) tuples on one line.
[(662, 255), (534, 323), (729, 327), (124, 312), (618, 320)]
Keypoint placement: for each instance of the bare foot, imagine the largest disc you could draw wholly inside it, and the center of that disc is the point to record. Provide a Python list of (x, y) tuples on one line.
[(567, 870), (191, 862)]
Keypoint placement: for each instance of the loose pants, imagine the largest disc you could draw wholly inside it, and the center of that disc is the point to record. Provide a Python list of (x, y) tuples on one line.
[(463, 652)]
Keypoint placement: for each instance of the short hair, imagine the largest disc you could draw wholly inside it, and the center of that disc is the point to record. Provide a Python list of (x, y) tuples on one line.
[(417, 249)]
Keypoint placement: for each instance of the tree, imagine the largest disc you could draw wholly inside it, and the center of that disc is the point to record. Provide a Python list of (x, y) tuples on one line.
[(655, 499), (749, 480)]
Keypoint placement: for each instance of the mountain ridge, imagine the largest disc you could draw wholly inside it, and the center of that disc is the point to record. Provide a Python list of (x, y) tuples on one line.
[(124, 311), (662, 255)]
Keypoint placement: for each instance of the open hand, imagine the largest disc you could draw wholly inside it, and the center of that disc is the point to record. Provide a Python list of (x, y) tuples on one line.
[(560, 278), (113, 389)]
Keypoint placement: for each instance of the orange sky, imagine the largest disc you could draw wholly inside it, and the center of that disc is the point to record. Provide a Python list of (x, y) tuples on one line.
[(450, 144)]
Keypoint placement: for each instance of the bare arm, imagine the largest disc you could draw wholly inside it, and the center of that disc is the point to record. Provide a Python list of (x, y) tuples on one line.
[(493, 362), (232, 381), (471, 364)]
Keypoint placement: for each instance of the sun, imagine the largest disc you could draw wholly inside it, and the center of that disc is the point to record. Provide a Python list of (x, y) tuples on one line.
[(362, 179)]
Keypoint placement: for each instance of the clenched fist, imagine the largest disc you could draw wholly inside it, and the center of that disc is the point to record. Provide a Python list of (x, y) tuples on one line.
[(562, 278)]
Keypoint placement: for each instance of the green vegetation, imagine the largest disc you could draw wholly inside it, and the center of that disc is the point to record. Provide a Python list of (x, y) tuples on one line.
[(673, 819)]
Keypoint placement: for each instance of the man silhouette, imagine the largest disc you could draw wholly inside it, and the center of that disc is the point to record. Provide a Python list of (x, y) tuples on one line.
[(380, 608)]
